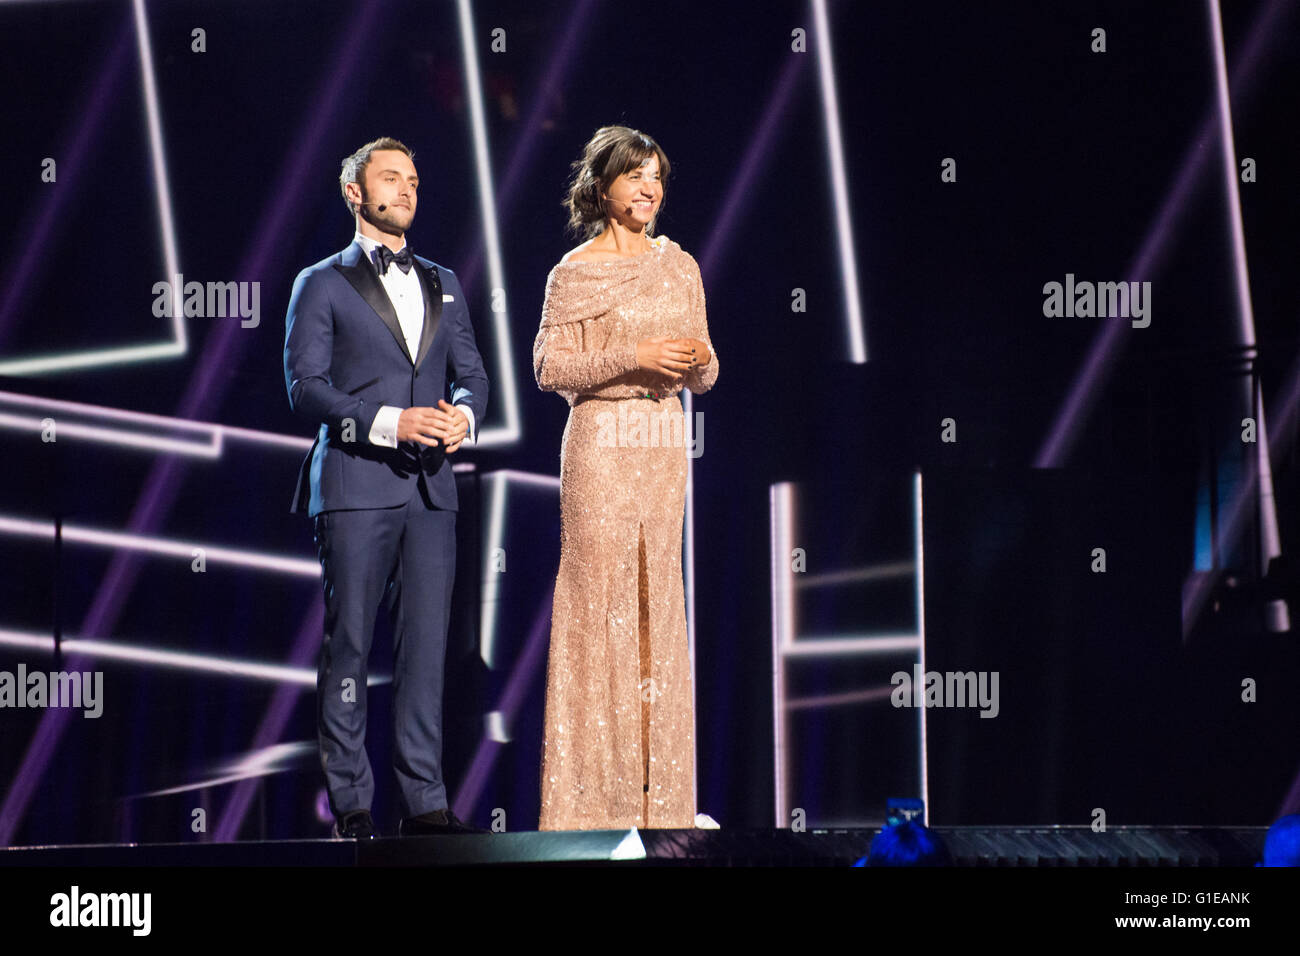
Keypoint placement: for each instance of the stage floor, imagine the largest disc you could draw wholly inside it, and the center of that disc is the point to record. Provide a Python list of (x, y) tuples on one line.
[(970, 846)]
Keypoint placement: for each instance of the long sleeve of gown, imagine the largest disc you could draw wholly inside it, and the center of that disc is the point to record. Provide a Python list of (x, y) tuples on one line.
[(561, 362)]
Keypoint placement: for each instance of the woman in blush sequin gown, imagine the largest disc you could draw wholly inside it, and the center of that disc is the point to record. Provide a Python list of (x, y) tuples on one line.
[(623, 331)]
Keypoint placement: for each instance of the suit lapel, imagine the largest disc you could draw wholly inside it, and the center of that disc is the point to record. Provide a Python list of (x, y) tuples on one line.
[(359, 271), (432, 284)]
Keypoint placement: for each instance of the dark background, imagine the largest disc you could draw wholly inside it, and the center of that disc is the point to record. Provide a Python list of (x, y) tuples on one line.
[(1064, 159)]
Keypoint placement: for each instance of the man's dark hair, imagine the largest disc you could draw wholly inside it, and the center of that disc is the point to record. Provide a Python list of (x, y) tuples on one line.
[(354, 166)]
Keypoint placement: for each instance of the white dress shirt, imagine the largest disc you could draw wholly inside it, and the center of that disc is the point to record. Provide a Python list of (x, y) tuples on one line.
[(407, 295)]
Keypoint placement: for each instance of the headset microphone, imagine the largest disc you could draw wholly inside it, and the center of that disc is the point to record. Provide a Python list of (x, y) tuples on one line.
[(628, 207)]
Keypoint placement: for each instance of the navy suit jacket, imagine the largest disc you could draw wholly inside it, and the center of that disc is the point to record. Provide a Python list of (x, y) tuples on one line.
[(345, 356)]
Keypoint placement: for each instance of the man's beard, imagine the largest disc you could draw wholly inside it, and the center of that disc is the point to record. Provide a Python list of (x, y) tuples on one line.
[(393, 220)]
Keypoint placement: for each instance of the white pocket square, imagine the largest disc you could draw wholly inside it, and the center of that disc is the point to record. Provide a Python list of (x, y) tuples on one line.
[(448, 298)]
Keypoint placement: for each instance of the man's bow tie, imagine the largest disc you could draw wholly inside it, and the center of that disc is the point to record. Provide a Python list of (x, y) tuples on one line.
[(384, 257)]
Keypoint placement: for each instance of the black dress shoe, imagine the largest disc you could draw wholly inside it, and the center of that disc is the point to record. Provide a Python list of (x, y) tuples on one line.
[(434, 822), (355, 825)]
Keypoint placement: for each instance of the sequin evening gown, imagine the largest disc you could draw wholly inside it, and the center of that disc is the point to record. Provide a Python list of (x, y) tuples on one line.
[(619, 749)]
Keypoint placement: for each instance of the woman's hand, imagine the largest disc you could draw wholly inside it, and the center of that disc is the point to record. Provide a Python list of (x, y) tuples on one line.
[(665, 355), (700, 351)]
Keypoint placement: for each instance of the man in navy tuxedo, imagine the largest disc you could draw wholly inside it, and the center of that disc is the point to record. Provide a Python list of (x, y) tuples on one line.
[(375, 340)]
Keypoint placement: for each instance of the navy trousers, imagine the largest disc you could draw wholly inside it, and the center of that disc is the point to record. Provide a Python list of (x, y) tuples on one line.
[(406, 554)]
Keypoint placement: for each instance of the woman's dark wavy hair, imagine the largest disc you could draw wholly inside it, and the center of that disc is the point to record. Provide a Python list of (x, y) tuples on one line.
[(611, 152)]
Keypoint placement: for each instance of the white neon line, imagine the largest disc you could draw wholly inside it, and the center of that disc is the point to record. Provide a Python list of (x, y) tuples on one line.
[(103, 411), (165, 546), (215, 433), (210, 782), (839, 184), (491, 576), (1279, 616), (184, 660), (498, 434), (488, 437), (785, 645), (261, 763), (60, 361), (492, 242), (847, 698), (264, 438), (162, 186), (918, 537), (495, 728), (177, 345), (171, 660), (1271, 545), (526, 477), (30, 642), (1246, 313), (112, 436), (852, 645), (871, 572), (500, 481), (781, 522)]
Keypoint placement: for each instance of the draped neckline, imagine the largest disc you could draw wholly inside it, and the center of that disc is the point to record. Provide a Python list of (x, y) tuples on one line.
[(659, 245)]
